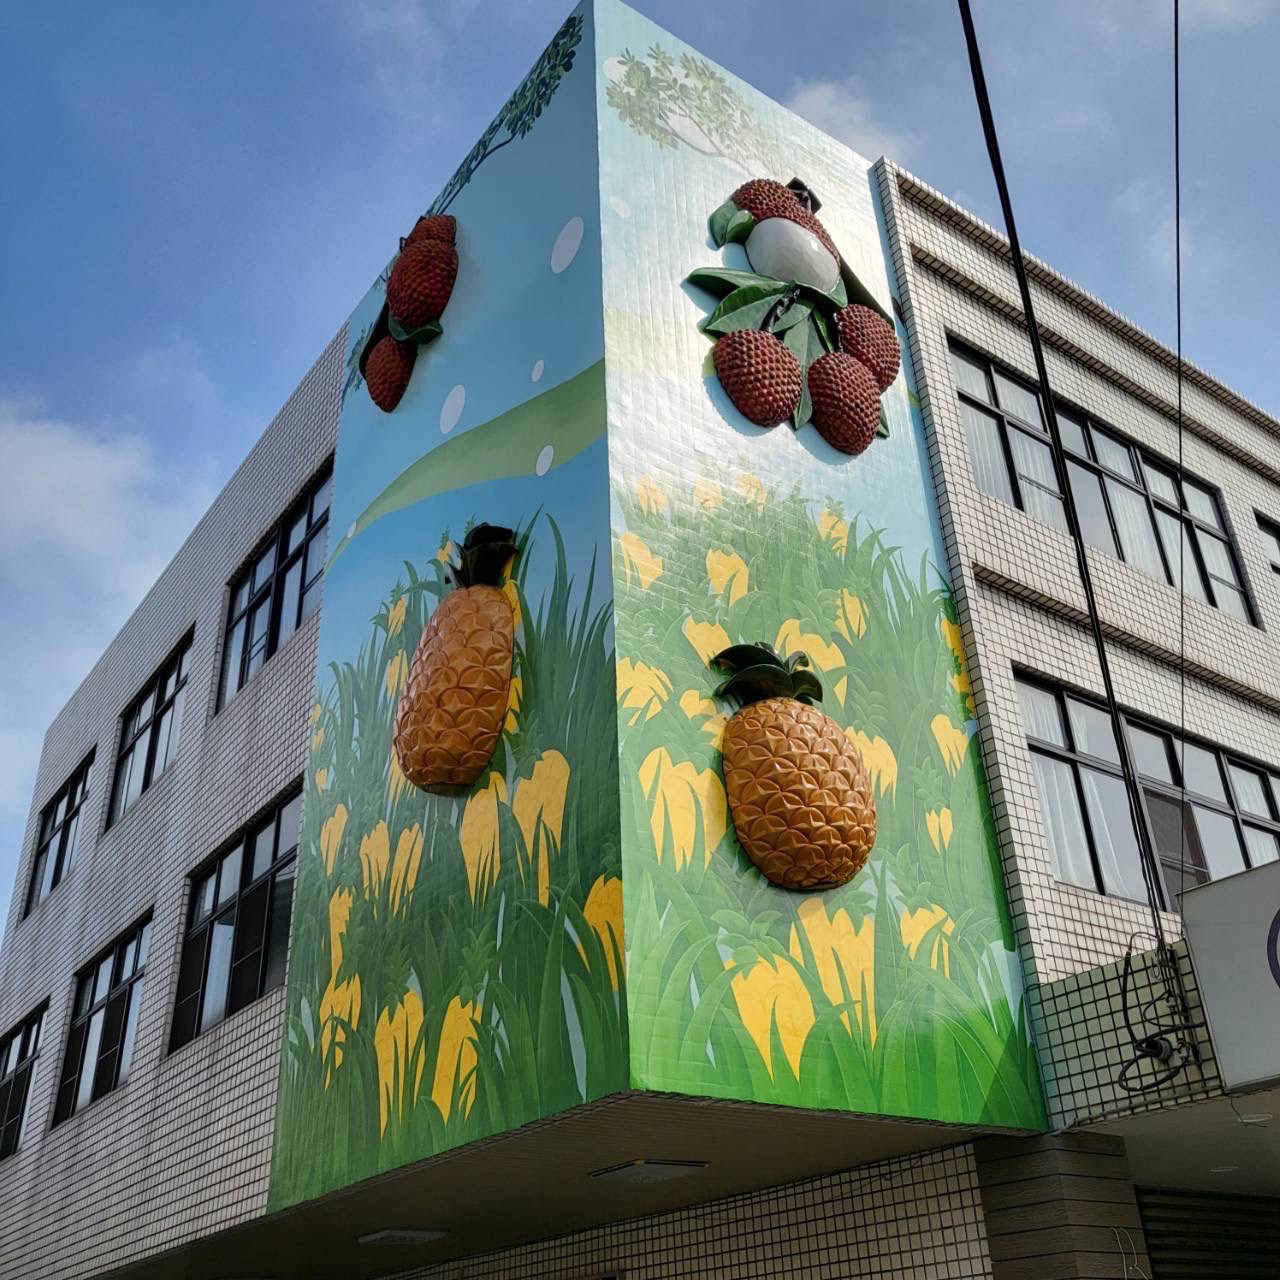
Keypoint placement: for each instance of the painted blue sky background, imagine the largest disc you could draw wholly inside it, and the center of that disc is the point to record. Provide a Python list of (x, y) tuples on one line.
[(196, 196)]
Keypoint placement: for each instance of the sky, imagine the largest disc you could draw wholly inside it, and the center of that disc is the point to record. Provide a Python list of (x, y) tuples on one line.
[(194, 196)]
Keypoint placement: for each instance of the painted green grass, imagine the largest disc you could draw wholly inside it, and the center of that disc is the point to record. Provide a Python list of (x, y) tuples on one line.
[(893, 994), (485, 1001)]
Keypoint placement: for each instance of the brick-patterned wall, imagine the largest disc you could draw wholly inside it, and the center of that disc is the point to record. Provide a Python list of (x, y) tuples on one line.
[(183, 1147), (895, 1220)]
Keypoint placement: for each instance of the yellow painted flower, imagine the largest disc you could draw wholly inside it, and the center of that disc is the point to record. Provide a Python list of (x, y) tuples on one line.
[(707, 495), (651, 499), (639, 562), (878, 756), (955, 642), (960, 683), (331, 832), (395, 615), (642, 689), (845, 958), (824, 655), (952, 741), (514, 693), (682, 799), (513, 599), (317, 739), (397, 671), (339, 914), (322, 779), (538, 806), (445, 554), (396, 781), (728, 574), (940, 826), (478, 835), (603, 912), (316, 712), (404, 866), (915, 925), (752, 488), (834, 530), (851, 617), (375, 854), (456, 1057), (772, 992), (339, 1012), (398, 1044), (696, 707), (707, 638)]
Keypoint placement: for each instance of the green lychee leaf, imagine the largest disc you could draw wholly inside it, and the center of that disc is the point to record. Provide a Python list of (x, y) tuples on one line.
[(805, 343), (740, 227), (744, 308), (883, 429), (724, 280), (718, 223), (428, 332)]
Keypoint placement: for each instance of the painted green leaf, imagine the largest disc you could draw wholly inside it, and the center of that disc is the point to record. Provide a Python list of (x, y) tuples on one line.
[(806, 344), (428, 332), (883, 428), (724, 280), (718, 223), (740, 227), (744, 308)]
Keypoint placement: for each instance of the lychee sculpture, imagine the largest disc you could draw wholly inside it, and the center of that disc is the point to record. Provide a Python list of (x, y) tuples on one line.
[(419, 287), (799, 315)]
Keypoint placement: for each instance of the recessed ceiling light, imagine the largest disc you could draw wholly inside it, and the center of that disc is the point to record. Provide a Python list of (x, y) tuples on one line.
[(1224, 1168), (1255, 1117), (649, 1170), (402, 1235)]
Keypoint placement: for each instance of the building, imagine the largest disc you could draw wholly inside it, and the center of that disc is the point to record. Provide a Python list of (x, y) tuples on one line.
[(559, 1023)]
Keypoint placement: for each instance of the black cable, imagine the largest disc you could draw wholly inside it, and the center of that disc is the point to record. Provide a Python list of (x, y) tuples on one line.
[(1147, 858), (1182, 545)]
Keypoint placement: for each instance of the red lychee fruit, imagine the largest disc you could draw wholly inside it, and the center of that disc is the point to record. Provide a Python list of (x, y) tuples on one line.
[(421, 282), (759, 374), (867, 336), (435, 226), (387, 371), (846, 401), (763, 198)]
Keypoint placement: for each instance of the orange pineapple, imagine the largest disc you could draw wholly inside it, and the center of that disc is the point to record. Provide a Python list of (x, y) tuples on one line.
[(455, 699), (799, 794)]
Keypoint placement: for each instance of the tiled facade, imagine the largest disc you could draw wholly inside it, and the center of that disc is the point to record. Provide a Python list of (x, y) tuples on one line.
[(190, 1133)]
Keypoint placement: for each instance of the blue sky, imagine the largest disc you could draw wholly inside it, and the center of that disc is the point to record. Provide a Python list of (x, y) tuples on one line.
[(196, 196)]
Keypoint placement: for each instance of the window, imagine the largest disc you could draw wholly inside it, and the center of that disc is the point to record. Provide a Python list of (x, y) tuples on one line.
[(17, 1060), (58, 836), (1210, 813), (238, 930), (1129, 505), (1270, 532), (150, 730), (104, 1023), (279, 588)]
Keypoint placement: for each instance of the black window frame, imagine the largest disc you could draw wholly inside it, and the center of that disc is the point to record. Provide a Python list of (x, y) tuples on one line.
[(253, 905), (58, 835), (296, 548), (105, 1018), (1174, 789), (1141, 462), (1270, 530), (15, 1077), (154, 711)]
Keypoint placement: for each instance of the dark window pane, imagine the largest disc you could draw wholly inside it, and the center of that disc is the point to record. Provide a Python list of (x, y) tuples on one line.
[(1200, 772), (317, 548), (1162, 484), (1177, 846), (1177, 540), (191, 970), (264, 844), (297, 531), (1018, 400), (1220, 841), (93, 1038), (1071, 429), (1250, 790), (1113, 454), (144, 944), (264, 567), (162, 742), (229, 875), (1138, 545), (246, 958), (219, 967), (1091, 508), (1034, 463), (1201, 503), (1040, 715), (321, 498), (203, 896), (311, 598), (232, 658), (1262, 846), (290, 593), (104, 1078), (1218, 559), (70, 839), (970, 375), (1150, 754), (1270, 541), (290, 825), (1114, 839), (278, 927), (259, 626), (240, 596), (986, 452), (1092, 731), (42, 869), (1064, 824), (130, 1032), (102, 978)]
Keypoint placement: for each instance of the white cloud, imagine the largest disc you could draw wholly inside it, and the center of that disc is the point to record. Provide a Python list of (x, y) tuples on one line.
[(1227, 13), (845, 110), (1148, 209)]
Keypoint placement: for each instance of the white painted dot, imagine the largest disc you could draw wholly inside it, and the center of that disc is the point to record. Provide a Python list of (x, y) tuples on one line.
[(620, 206), (545, 459), (535, 374), (451, 410), (567, 244), (614, 68)]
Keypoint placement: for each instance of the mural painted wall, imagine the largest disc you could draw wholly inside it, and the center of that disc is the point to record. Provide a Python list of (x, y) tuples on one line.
[(456, 960), (898, 993)]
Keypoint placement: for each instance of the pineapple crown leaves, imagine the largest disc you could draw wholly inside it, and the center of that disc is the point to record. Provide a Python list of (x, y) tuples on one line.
[(485, 553), (758, 671)]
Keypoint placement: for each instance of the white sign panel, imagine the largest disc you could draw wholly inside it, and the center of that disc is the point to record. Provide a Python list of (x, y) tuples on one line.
[(1233, 930)]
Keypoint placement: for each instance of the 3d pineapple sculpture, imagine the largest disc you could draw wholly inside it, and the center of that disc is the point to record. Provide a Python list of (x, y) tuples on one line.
[(455, 699), (799, 794)]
